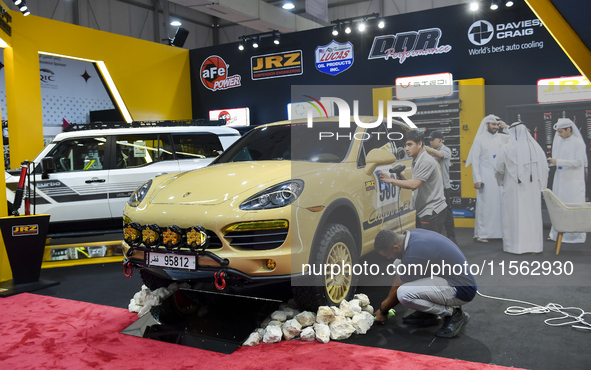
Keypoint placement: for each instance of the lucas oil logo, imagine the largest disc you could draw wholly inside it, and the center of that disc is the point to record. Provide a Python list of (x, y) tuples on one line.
[(23, 230), (214, 74), (334, 58)]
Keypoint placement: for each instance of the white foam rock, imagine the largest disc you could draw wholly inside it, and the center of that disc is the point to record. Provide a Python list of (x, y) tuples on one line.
[(363, 299), (322, 333), (253, 340), (347, 309), (273, 334), (291, 329), (340, 329), (308, 334), (306, 318), (368, 309), (324, 315), (361, 323), (279, 316)]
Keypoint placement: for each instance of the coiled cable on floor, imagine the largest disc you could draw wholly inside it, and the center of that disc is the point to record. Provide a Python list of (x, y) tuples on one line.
[(577, 322)]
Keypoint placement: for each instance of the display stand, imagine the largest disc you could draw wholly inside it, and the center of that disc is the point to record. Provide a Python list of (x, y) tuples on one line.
[(24, 238)]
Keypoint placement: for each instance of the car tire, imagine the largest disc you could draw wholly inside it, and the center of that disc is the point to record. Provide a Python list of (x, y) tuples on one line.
[(152, 281), (174, 309), (336, 245)]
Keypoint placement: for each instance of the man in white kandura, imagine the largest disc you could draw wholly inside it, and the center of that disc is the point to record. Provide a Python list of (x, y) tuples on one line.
[(485, 148), (522, 172), (569, 157)]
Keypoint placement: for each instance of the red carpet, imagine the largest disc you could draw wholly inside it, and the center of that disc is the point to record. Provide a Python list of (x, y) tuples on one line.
[(40, 332)]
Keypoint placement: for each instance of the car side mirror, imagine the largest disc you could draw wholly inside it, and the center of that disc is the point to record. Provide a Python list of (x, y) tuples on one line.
[(48, 167), (400, 153), (377, 157)]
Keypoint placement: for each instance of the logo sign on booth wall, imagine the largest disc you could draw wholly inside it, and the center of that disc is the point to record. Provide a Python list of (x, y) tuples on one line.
[(215, 75), (564, 89), (507, 36), (481, 32), (404, 45), (24, 230), (334, 58), (233, 117), (425, 86), (285, 64)]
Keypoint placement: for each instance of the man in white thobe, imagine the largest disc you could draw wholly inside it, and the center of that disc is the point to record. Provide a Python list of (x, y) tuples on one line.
[(485, 148), (569, 157), (522, 171)]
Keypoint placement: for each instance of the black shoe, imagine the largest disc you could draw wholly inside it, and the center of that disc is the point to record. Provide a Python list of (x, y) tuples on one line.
[(452, 324), (421, 319)]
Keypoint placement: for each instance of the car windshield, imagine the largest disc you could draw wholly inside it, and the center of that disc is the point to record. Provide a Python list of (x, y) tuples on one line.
[(325, 142)]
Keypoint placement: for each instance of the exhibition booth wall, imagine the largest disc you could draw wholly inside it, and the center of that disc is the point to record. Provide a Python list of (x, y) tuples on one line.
[(152, 79)]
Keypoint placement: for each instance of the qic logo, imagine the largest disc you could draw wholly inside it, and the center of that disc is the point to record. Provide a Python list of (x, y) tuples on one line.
[(214, 74), (47, 75), (481, 32)]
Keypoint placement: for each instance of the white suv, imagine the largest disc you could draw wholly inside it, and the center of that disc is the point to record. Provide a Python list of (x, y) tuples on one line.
[(84, 178)]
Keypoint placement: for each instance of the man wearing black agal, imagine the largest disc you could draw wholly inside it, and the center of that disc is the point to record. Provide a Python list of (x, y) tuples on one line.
[(433, 278)]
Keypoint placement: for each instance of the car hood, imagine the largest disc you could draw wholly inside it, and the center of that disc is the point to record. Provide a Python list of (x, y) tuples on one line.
[(222, 182)]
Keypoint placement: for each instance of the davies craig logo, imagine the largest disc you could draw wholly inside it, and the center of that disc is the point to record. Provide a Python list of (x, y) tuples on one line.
[(481, 32), (408, 44), (334, 58), (284, 64), (214, 74)]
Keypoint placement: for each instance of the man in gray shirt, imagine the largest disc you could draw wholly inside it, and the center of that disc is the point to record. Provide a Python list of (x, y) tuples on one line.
[(426, 182), (442, 155)]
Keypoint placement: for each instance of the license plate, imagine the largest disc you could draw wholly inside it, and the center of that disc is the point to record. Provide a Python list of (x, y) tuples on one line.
[(171, 260)]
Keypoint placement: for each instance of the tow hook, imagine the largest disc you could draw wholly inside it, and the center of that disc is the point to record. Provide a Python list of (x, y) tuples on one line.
[(127, 271), (221, 284)]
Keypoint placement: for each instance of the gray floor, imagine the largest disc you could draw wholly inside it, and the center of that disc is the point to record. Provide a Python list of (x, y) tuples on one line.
[(491, 337)]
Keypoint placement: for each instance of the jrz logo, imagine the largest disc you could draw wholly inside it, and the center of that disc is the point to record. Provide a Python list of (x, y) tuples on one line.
[(481, 32), (285, 64), (214, 74), (24, 230), (408, 44)]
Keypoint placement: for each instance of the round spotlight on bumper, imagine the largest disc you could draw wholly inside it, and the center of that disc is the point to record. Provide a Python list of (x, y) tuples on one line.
[(151, 236), (132, 234), (196, 238), (172, 237), (271, 264)]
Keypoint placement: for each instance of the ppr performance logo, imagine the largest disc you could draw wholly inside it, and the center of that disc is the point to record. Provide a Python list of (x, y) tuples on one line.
[(345, 112)]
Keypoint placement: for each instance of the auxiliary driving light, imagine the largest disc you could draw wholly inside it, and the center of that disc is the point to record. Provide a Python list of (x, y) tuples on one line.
[(151, 235), (196, 237), (271, 264), (132, 233), (172, 237)]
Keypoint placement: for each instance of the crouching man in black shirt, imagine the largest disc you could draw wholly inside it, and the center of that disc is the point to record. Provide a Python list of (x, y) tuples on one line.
[(427, 280)]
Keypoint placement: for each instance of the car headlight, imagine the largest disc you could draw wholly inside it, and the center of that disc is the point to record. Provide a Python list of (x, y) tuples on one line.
[(139, 195), (276, 196)]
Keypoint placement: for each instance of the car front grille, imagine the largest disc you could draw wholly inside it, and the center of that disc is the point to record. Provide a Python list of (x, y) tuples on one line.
[(214, 240), (256, 239)]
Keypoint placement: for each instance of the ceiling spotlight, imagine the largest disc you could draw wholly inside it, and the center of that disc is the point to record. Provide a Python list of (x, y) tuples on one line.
[(23, 8), (288, 5), (276, 38), (335, 31), (255, 43), (494, 5), (509, 4), (473, 6), (348, 29), (381, 23), (175, 23), (26, 13), (361, 26), (17, 2), (241, 45)]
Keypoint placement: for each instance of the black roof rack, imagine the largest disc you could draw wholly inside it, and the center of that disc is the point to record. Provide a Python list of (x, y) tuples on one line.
[(135, 124)]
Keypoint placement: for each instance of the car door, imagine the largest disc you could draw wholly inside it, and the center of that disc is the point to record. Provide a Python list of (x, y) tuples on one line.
[(77, 190), (381, 201), (137, 159)]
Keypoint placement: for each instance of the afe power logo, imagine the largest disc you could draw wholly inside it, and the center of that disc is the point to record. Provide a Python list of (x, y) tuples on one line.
[(334, 58), (409, 44), (285, 64), (214, 74), (25, 230)]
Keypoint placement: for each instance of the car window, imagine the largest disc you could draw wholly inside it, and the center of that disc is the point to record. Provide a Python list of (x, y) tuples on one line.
[(85, 154), (375, 138), (324, 142), (197, 145), (139, 150)]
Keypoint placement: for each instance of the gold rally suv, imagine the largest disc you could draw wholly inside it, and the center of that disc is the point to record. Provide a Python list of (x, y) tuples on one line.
[(279, 205)]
